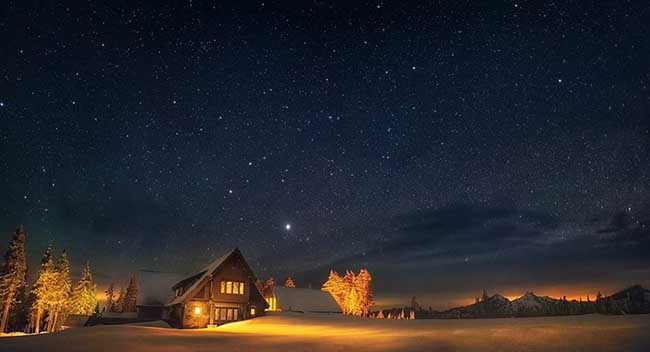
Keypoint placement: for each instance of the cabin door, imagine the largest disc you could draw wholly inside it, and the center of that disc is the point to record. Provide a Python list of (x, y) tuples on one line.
[(226, 314)]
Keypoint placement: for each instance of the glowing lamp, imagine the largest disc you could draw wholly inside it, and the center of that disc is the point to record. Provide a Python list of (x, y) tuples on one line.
[(252, 311), (197, 310)]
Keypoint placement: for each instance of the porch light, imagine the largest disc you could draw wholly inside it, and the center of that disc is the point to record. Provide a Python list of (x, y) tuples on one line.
[(252, 311), (197, 310)]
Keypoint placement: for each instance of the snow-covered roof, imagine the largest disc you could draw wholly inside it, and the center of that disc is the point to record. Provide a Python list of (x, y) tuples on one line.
[(305, 300), (202, 275), (155, 287)]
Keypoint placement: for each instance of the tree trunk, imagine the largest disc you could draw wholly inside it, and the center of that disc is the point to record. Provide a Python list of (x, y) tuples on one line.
[(56, 318), (51, 320), (39, 316), (6, 309)]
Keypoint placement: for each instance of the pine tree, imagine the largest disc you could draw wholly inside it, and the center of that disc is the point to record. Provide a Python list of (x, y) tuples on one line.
[(119, 302), (353, 293), (130, 297), (110, 298), (414, 304), (337, 288), (412, 315), (362, 283), (269, 283), (61, 294), (352, 306), (289, 283), (84, 296), (18, 318), (380, 315), (13, 277), (42, 289)]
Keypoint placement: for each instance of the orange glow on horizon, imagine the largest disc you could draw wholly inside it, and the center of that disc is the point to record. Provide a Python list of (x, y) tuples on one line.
[(441, 302)]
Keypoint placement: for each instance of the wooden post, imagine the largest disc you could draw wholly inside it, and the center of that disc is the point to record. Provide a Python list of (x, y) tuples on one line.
[(210, 305)]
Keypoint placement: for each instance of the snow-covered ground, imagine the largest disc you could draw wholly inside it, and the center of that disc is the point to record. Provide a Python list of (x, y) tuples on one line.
[(295, 332)]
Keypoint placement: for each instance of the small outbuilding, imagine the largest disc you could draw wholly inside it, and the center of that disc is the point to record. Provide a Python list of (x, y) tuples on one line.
[(303, 300)]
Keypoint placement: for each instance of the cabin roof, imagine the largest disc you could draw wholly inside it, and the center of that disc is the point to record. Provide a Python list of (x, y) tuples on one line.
[(154, 287), (305, 300)]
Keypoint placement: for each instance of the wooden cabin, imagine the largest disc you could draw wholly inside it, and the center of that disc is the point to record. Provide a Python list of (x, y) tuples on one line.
[(222, 292)]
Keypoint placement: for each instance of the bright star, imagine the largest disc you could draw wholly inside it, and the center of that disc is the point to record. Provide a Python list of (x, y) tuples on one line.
[(287, 226)]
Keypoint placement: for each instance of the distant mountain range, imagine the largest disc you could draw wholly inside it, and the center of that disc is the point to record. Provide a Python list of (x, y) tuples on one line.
[(632, 300)]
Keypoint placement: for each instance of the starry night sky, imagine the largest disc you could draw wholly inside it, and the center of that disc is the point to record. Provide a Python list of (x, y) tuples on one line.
[(448, 146)]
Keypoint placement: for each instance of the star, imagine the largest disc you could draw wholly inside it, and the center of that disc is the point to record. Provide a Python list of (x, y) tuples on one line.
[(287, 227)]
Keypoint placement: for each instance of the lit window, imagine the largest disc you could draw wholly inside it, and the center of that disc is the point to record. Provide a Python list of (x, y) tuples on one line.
[(197, 310), (232, 287), (272, 303), (252, 311)]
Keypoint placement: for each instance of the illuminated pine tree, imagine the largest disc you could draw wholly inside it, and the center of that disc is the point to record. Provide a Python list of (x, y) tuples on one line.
[(84, 296), (352, 302), (362, 283), (412, 315), (60, 294), (380, 315), (130, 297), (337, 288), (14, 273), (351, 294), (289, 283), (45, 282)]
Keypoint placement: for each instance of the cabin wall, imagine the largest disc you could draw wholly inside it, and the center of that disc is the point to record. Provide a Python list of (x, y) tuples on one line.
[(192, 320), (174, 316), (233, 270)]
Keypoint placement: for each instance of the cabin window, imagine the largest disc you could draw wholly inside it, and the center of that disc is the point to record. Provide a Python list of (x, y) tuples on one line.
[(252, 311), (232, 287)]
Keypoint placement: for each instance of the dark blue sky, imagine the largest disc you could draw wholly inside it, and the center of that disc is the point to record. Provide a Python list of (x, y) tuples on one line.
[(447, 146)]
